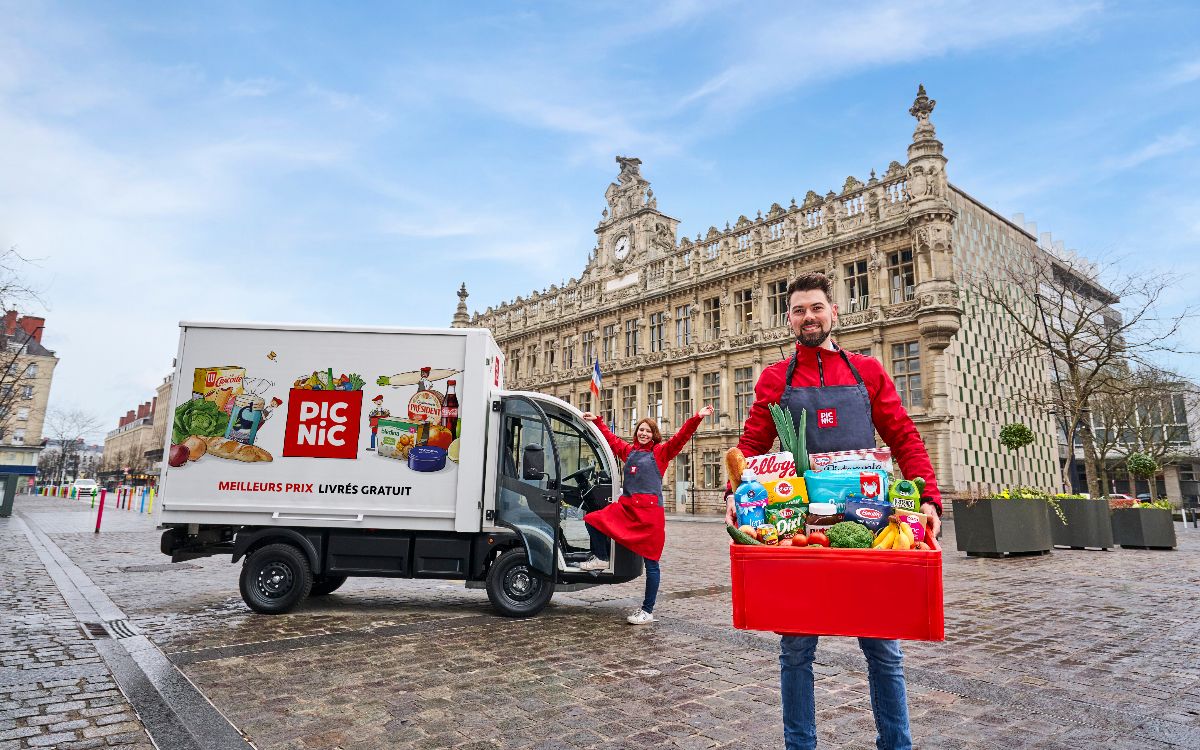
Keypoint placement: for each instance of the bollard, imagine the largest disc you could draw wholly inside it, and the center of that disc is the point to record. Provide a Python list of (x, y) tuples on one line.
[(150, 507), (100, 514), (142, 509)]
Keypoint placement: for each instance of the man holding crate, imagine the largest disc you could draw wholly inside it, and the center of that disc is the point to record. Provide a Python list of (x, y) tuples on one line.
[(847, 398)]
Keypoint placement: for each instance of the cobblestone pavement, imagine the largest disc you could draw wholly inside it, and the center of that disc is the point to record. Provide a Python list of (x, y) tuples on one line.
[(1074, 649)]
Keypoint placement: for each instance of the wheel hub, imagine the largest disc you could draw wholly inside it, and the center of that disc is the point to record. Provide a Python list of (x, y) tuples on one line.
[(275, 580)]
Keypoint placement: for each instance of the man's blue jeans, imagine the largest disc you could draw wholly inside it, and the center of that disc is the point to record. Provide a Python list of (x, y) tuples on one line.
[(885, 674)]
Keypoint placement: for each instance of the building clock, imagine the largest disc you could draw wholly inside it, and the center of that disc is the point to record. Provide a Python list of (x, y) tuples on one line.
[(621, 248)]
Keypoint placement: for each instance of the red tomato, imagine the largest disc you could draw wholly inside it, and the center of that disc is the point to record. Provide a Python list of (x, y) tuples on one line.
[(818, 538), (799, 540)]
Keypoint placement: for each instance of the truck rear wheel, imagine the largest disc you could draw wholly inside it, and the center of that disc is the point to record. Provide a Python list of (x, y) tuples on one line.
[(323, 585), (275, 578), (514, 589)]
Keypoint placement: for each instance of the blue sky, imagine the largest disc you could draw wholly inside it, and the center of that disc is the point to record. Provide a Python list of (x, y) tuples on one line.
[(322, 163)]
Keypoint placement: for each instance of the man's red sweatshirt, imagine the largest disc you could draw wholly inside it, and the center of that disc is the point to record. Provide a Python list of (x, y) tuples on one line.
[(891, 420)]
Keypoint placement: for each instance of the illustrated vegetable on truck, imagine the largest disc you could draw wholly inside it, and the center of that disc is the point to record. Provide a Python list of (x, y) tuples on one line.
[(332, 453)]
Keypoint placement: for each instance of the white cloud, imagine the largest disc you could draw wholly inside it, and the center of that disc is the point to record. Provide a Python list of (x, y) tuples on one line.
[(1164, 145), (1183, 73), (250, 87)]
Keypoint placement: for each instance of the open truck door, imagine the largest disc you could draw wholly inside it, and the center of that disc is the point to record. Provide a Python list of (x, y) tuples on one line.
[(528, 499)]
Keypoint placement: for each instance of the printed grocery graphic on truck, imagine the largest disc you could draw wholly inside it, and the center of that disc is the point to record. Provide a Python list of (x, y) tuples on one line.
[(229, 413)]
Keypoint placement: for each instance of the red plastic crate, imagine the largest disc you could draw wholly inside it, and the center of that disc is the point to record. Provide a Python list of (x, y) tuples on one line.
[(856, 592)]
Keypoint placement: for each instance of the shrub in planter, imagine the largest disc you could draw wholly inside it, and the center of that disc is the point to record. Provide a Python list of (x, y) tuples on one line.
[(1144, 526), (1010, 523), (1081, 522)]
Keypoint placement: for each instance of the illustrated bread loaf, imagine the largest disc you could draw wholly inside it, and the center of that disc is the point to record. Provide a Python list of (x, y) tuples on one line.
[(224, 448), (196, 447)]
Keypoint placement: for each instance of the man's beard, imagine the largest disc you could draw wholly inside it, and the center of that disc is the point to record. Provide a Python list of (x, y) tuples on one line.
[(813, 339)]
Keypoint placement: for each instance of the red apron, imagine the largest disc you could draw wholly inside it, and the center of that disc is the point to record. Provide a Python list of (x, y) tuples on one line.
[(637, 521)]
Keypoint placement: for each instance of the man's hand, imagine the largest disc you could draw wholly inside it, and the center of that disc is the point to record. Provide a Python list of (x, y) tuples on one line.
[(730, 513), (707, 411), (935, 521)]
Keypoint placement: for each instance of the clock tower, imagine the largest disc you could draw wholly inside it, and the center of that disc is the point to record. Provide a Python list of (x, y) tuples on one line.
[(632, 231)]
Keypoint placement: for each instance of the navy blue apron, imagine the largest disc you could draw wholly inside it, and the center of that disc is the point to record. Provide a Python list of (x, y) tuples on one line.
[(839, 416)]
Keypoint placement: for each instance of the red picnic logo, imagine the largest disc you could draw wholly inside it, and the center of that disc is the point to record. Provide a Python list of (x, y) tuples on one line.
[(826, 417), (322, 424)]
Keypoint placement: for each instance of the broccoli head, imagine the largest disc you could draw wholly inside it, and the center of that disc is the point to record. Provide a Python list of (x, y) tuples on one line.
[(849, 534)]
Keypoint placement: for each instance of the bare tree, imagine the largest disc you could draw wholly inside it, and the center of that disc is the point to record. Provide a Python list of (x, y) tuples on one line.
[(67, 430), (1085, 321), (17, 370)]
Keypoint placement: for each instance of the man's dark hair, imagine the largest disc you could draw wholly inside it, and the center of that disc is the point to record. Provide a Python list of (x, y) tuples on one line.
[(806, 282)]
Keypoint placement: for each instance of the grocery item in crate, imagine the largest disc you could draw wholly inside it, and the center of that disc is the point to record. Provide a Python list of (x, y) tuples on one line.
[(873, 514), (785, 490), (772, 466), (905, 495), (916, 520), (787, 517), (767, 533), (821, 517), (878, 459), (838, 486), (750, 500)]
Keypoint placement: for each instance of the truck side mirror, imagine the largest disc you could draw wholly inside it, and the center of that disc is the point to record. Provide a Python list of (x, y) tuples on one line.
[(533, 462)]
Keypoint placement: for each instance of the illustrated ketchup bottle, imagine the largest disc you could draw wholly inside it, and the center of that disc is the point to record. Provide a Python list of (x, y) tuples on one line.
[(450, 409)]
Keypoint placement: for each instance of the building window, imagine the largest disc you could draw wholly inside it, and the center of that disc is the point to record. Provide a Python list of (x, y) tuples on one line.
[(23, 414), (589, 347), (858, 287), (777, 294), (629, 415), (548, 357), (743, 310), (609, 343), (658, 326), (902, 275), (566, 397), (711, 318), (1188, 473), (654, 400), (632, 334), (515, 359), (906, 372), (743, 392), (711, 461), (585, 401), (683, 467), (865, 352), (31, 371), (568, 353), (606, 406), (710, 393), (531, 360), (683, 400), (683, 325), (19, 436)]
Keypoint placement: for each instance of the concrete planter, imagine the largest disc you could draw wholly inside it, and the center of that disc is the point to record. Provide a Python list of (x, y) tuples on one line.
[(1143, 528), (995, 527), (1087, 525)]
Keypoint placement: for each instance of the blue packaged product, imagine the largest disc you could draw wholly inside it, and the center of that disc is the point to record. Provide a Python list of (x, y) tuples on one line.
[(873, 514), (840, 485), (427, 458), (750, 501)]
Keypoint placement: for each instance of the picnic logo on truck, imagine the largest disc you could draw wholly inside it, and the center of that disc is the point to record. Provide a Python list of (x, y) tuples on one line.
[(322, 424)]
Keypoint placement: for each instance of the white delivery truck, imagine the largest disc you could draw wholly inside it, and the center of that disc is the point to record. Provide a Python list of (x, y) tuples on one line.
[(316, 453)]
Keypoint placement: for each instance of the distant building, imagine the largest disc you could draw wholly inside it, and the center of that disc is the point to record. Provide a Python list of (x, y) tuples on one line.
[(133, 452), (26, 371)]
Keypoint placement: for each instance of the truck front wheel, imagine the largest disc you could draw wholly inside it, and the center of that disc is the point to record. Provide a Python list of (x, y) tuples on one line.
[(514, 589), (275, 578)]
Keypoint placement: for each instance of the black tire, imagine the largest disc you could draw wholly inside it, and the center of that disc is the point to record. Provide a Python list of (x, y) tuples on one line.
[(275, 578), (323, 585), (514, 589)]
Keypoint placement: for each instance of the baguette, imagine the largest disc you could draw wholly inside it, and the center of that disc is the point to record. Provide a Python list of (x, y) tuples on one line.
[(225, 448), (735, 464)]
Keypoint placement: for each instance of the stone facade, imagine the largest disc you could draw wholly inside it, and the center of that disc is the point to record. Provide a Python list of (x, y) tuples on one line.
[(29, 371), (677, 323)]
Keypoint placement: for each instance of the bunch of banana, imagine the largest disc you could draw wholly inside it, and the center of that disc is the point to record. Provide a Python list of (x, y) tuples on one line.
[(897, 535)]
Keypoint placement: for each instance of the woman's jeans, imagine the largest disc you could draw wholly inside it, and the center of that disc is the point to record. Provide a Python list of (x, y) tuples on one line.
[(599, 544), (885, 674)]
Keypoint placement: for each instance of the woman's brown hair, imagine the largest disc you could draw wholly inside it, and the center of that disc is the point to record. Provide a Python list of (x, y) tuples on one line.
[(655, 432)]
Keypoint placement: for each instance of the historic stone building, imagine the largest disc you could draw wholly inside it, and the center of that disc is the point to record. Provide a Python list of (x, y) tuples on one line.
[(677, 323)]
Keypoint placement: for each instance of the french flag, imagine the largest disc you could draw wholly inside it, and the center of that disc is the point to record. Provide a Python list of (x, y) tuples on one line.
[(595, 386)]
